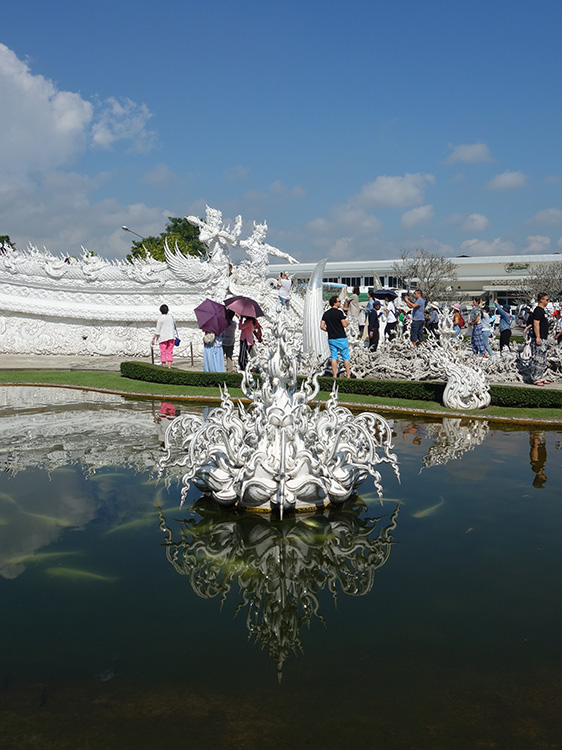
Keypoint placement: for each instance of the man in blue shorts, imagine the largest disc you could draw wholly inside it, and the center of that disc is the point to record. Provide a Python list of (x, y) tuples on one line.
[(334, 322), (418, 317)]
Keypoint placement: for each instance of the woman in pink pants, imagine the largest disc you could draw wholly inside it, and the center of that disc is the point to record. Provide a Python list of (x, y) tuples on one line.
[(166, 336)]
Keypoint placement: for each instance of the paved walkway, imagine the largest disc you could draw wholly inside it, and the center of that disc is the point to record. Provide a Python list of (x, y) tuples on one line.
[(71, 362)]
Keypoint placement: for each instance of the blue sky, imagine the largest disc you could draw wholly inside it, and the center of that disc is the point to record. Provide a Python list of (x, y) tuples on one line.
[(356, 129)]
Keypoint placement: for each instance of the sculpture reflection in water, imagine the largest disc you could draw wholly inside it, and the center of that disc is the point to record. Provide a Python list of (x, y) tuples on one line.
[(452, 437), (279, 567)]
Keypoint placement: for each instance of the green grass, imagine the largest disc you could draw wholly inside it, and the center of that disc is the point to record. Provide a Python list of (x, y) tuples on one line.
[(114, 382)]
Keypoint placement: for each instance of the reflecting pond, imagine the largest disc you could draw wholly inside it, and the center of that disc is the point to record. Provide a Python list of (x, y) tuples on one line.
[(431, 620)]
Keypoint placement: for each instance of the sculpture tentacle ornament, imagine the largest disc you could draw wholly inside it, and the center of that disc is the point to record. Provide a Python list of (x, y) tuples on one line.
[(280, 453)]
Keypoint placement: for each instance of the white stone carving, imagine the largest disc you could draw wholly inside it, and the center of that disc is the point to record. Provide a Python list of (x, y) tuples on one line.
[(88, 305), (279, 453)]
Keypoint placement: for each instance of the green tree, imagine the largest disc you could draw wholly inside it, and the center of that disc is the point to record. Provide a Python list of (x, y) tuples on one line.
[(178, 231), (5, 240)]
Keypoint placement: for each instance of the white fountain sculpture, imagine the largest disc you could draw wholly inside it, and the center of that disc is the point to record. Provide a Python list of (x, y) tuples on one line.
[(280, 453)]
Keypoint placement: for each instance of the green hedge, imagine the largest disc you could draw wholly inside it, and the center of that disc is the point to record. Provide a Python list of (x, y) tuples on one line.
[(158, 374), (502, 395)]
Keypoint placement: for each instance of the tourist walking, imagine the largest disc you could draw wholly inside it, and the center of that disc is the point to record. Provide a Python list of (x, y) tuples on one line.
[(433, 322), (418, 317), (475, 320), (284, 287), (391, 318), (458, 320), (213, 354), (166, 333), (505, 325), (250, 330), (334, 323), (374, 326), (228, 340), (486, 330), (539, 344)]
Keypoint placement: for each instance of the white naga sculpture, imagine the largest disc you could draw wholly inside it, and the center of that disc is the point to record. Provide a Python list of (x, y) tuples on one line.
[(280, 453), (88, 305)]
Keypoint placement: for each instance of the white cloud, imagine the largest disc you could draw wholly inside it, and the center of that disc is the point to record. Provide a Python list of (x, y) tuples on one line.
[(475, 223), (416, 216), (548, 216), (41, 127), (277, 189), (470, 153), (394, 191), (123, 120), (470, 222), (538, 244), (237, 174), (62, 215), (507, 181), (44, 128), (348, 219), (499, 246), (160, 174)]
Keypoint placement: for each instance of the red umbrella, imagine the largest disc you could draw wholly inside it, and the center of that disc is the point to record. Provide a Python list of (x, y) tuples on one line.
[(211, 317), (244, 306)]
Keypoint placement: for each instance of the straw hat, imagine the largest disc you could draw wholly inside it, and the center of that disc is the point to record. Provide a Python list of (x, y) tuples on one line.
[(434, 305)]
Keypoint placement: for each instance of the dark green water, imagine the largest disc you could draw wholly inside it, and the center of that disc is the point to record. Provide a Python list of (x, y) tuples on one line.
[(436, 626)]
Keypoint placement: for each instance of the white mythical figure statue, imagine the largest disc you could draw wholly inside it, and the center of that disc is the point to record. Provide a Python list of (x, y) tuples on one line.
[(254, 270), (210, 273)]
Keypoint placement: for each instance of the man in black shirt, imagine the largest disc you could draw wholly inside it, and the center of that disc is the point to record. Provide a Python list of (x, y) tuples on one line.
[(539, 345), (334, 322)]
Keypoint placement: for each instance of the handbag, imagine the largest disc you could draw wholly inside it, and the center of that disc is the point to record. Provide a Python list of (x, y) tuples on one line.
[(209, 338), (177, 340)]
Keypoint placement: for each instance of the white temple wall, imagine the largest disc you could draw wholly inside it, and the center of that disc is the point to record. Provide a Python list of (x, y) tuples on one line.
[(28, 334)]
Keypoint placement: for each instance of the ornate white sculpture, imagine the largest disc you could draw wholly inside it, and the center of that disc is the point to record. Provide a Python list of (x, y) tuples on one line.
[(88, 305), (280, 453), (277, 569), (210, 273)]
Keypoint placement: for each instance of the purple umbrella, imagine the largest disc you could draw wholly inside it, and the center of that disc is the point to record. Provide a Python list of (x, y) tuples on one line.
[(244, 306), (211, 317)]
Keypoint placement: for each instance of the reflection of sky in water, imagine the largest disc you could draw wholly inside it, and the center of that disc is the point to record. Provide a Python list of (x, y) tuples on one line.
[(455, 644)]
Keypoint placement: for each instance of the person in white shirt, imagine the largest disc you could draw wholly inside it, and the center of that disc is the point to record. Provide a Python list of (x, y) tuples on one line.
[(284, 286), (391, 318), (165, 334)]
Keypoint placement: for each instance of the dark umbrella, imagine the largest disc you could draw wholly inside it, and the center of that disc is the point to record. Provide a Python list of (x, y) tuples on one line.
[(211, 317), (382, 293), (244, 306)]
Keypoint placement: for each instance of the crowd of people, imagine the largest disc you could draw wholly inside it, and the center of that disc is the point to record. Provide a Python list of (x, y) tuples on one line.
[(382, 317)]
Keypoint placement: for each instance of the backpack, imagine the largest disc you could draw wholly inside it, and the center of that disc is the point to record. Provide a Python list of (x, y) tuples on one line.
[(461, 321), (257, 331)]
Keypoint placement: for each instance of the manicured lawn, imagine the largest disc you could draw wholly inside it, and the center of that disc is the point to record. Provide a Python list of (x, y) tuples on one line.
[(109, 381)]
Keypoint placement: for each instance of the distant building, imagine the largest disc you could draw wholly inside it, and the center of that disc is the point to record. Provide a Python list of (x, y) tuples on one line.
[(490, 278)]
